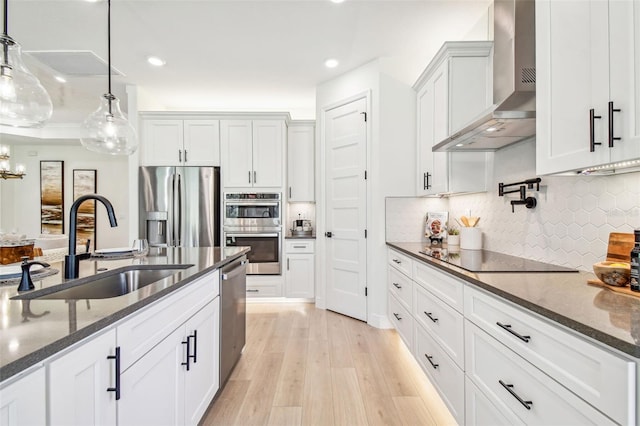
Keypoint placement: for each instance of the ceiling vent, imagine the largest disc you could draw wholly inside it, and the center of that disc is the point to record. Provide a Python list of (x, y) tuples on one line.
[(78, 63)]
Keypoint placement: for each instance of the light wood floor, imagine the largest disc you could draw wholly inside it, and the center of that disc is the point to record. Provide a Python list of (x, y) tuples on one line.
[(308, 366)]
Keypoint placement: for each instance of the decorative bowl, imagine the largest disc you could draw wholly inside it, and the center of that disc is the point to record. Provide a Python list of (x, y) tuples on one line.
[(613, 273)]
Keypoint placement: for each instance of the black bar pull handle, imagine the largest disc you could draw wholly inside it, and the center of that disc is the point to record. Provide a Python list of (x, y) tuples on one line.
[(179, 156), (397, 261), (592, 131), (397, 316), (612, 138), (425, 180), (430, 315), (398, 286), (195, 346), (507, 327), (116, 388), (433, 364), (188, 343), (509, 388)]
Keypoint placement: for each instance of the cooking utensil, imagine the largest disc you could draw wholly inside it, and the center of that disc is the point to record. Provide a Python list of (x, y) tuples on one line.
[(465, 221)]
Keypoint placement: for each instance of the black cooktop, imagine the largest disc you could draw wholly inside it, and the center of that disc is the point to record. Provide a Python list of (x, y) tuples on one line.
[(490, 261)]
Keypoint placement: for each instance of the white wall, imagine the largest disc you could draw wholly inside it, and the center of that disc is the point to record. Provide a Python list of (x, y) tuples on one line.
[(390, 148), (570, 226), (20, 199)]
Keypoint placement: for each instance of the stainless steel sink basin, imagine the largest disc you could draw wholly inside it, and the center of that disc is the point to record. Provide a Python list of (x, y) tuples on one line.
[(109, 284)]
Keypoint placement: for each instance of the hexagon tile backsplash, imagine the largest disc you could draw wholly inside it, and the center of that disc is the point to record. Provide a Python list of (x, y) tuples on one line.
[(570, 226)]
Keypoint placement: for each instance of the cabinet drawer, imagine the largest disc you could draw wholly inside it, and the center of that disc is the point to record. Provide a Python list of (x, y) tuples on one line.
[(401, 286), (479, 411), (401, 262), (445, 374), (401, 320), (445, 324), (601, 378), (516, 387), (445, 287), (141, 333), (299, 246), (264, 290)]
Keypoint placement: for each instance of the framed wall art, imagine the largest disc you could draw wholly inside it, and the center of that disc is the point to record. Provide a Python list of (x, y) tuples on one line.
[(52, 197), (84, 182)]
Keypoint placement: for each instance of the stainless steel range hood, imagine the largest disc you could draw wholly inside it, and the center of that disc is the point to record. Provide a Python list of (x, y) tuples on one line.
[(512, 118)]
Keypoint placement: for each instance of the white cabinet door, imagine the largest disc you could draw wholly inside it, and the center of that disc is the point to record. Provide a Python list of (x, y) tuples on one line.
[(201, 143), (23, 402), (268, 146), (202, 380), (624, 33), (452, 91), (301, 163), (78, 383), (587, 56), (300, 276), (162, 142), (153, 387), (236, 148)]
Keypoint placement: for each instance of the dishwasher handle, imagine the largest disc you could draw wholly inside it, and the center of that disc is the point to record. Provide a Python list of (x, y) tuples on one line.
[(235, 271)]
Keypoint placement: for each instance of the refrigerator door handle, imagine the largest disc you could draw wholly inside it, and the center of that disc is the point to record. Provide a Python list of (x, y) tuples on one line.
[(179, 213)]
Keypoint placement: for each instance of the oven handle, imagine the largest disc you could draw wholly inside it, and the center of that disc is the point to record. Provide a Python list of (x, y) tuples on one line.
[(257, 234), (253, 203)]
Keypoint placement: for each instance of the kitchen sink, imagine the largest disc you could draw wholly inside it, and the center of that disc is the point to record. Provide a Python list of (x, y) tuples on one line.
[(109, 284)]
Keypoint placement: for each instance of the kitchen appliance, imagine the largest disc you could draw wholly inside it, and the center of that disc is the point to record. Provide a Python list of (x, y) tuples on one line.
[(233, 288), (301, 228), (255, 220), (180, 206), (512, 117), (490, 261)]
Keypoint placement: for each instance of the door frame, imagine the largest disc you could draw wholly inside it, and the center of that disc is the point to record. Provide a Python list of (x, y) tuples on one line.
[(321, 200)]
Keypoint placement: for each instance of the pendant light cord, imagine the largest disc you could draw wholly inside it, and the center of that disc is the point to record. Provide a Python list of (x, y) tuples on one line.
[(6, 19), (5, 34), (108, 49)]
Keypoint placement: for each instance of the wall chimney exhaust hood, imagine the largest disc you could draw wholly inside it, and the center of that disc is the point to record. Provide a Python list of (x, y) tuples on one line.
[(512, 117)]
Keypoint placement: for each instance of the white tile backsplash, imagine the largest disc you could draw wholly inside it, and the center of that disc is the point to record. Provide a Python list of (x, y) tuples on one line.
[(570, 226)]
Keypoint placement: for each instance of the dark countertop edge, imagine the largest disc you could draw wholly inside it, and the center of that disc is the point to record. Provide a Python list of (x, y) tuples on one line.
[(22, 364), (300, 237), (604, 338)]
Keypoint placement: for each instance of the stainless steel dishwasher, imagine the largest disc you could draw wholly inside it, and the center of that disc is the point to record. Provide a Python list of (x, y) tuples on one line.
[(233, 288)]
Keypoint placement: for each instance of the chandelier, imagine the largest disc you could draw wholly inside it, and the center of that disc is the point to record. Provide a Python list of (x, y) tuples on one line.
[(5, 167)]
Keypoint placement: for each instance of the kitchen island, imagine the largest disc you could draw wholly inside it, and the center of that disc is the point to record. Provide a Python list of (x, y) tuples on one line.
[(34, 330)]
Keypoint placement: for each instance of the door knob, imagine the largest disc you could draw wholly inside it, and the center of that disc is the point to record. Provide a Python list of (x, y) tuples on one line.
[(328, 234)]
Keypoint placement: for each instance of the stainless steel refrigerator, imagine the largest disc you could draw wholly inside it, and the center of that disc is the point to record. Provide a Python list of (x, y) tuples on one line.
[(180, 206)]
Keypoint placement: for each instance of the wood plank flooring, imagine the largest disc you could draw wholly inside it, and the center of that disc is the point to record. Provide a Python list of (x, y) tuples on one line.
[(308, 366)]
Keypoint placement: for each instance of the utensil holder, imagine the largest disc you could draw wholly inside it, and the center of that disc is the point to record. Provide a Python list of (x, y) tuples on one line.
[(471, 238)]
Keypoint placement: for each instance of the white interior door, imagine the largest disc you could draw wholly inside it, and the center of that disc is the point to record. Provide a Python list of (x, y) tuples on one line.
[(346, 217)]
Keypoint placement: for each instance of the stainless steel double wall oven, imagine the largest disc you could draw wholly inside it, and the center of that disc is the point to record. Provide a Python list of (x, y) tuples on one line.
[(255, 220)]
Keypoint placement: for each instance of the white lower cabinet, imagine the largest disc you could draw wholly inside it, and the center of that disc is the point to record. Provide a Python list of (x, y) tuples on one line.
[(79, 383), (402, 320), (23, 401), (175, 381), (447, 377), (300, 269), (519, 389), (479, 411)]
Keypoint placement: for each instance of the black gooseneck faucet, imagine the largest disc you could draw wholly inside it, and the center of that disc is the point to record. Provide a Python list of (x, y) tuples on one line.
[(72, 260)]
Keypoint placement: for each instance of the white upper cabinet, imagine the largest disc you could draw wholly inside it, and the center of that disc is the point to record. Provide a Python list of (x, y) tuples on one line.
[(448, 98), (180, 142), (301, 162), (252, 153), (587, 55)]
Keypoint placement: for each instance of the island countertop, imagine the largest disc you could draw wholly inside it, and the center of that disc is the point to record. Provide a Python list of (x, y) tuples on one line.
[(33, 330), (610, 318)]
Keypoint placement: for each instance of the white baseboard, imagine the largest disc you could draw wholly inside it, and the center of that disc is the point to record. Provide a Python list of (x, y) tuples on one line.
[(278, 300), (379, 321)]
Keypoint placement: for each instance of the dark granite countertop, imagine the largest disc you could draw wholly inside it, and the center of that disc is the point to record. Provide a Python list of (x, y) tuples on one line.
[(33, 330), (565, 298), (289, 236)]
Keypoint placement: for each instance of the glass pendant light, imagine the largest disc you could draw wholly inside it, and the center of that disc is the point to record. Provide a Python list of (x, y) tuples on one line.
[(107, 130), (24, 102)]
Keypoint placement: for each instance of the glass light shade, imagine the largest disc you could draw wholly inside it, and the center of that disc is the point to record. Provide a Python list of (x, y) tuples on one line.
[(107, 131), (24, 102)]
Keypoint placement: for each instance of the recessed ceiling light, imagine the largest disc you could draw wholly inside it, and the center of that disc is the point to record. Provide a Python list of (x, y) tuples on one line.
[(491, 129), (60, 79), (155, 61), (331, 63)]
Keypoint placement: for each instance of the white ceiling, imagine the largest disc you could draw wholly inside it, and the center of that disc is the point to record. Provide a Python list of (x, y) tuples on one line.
[(238, 55)]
